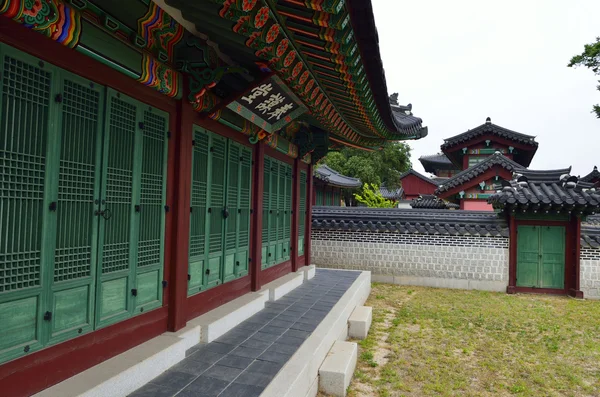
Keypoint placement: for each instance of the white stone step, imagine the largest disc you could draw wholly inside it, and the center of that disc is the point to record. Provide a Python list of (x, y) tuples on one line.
[(298, 376), (125, 373), (359, 322), (309, 272), (221, 320), (336, 372), (286, 284)]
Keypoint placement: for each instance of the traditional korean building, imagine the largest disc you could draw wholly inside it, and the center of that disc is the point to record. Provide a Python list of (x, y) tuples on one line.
[(415, 184), (471, 162), (545, 210), (157, 161), (330, 186), (593, 177)]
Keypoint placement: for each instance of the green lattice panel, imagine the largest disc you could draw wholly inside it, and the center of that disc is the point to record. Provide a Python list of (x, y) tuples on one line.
[(24, 121), (152, 196), (76, 182), (274, 202), (119, 185), (233, 184), (245, 198), (266, 201), (302, 204), (217, 193), (199, 195), (281, 201)]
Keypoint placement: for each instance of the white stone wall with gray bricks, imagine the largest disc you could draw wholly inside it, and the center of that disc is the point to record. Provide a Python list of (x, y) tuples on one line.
[(468, 262), (589, 267)]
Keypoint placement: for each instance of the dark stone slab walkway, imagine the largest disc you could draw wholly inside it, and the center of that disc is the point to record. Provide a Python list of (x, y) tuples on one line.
[(246, 359)]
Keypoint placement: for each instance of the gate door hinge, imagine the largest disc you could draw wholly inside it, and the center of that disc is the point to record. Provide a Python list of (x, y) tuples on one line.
[(168, 134), (134, 291), (52, 206), (189, 277), (164, 283), (47, 316), (167, 208), (207, 271)]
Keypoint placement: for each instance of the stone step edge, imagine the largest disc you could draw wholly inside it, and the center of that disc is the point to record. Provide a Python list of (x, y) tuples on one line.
[(299, 375), (338, 367)]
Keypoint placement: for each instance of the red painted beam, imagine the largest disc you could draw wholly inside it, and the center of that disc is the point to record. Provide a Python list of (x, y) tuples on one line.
[(275, 272), (31, 374), (257, 215), (295, 213)]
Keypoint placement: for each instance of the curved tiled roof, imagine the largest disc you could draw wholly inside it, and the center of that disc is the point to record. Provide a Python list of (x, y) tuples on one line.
[(437, 161), (432, 202), (478, 169), (521, 156), (545, 191), (334, 178), (423, 221), (595, 174), (590, 232), (394, 194), (491, 129), (406, 121)]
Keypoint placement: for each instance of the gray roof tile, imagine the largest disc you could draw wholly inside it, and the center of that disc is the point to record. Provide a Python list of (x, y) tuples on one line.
[(336, 179)]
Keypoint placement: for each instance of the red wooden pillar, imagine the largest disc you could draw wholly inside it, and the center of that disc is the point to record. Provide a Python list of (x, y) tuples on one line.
[(257, 213), (575, 291), (295, 213), (181, 216), (512, 255), (310, 186)]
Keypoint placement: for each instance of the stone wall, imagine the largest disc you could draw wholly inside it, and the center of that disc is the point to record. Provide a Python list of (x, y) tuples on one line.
[(436, 260), (590, 272)]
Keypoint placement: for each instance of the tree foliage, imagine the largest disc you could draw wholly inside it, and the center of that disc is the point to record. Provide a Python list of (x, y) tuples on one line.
[(590, 58), (377, 167), (372, 198)]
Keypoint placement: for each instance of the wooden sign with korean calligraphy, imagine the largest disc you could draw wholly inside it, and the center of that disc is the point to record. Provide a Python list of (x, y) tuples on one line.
[(271, 105)]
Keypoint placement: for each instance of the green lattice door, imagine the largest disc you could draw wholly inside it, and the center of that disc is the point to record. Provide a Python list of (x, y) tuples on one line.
[(302, 213), (220, 212), (65, 161), (266, 216), (26, 110), (132, 209)]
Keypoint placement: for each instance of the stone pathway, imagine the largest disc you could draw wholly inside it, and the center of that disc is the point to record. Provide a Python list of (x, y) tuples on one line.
[(246, 359)]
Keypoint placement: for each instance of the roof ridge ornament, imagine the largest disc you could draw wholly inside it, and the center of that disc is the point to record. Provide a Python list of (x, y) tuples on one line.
[(488, 120)]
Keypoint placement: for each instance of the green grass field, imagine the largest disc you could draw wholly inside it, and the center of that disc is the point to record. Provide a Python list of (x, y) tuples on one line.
[(439, 342)]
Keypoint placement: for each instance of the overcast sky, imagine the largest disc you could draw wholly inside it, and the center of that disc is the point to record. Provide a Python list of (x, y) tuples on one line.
[(461, 61)]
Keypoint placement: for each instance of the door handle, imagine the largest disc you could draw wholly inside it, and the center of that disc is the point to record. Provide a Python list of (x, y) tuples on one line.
[(106, 214), (225, 213)]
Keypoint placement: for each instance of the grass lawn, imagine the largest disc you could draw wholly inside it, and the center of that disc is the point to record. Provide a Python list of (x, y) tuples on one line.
[(439, 342)]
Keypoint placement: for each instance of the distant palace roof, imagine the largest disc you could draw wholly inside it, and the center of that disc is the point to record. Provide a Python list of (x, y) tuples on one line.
[(393, 194), (432, 202), (594, 175), (334, 178), (545, 191), (438, 161), (478, 169), (522, 156)]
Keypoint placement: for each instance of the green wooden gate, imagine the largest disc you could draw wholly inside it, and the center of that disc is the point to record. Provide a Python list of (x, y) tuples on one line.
[(277, 211), (81, 205), (220, 212), (541, 256)]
